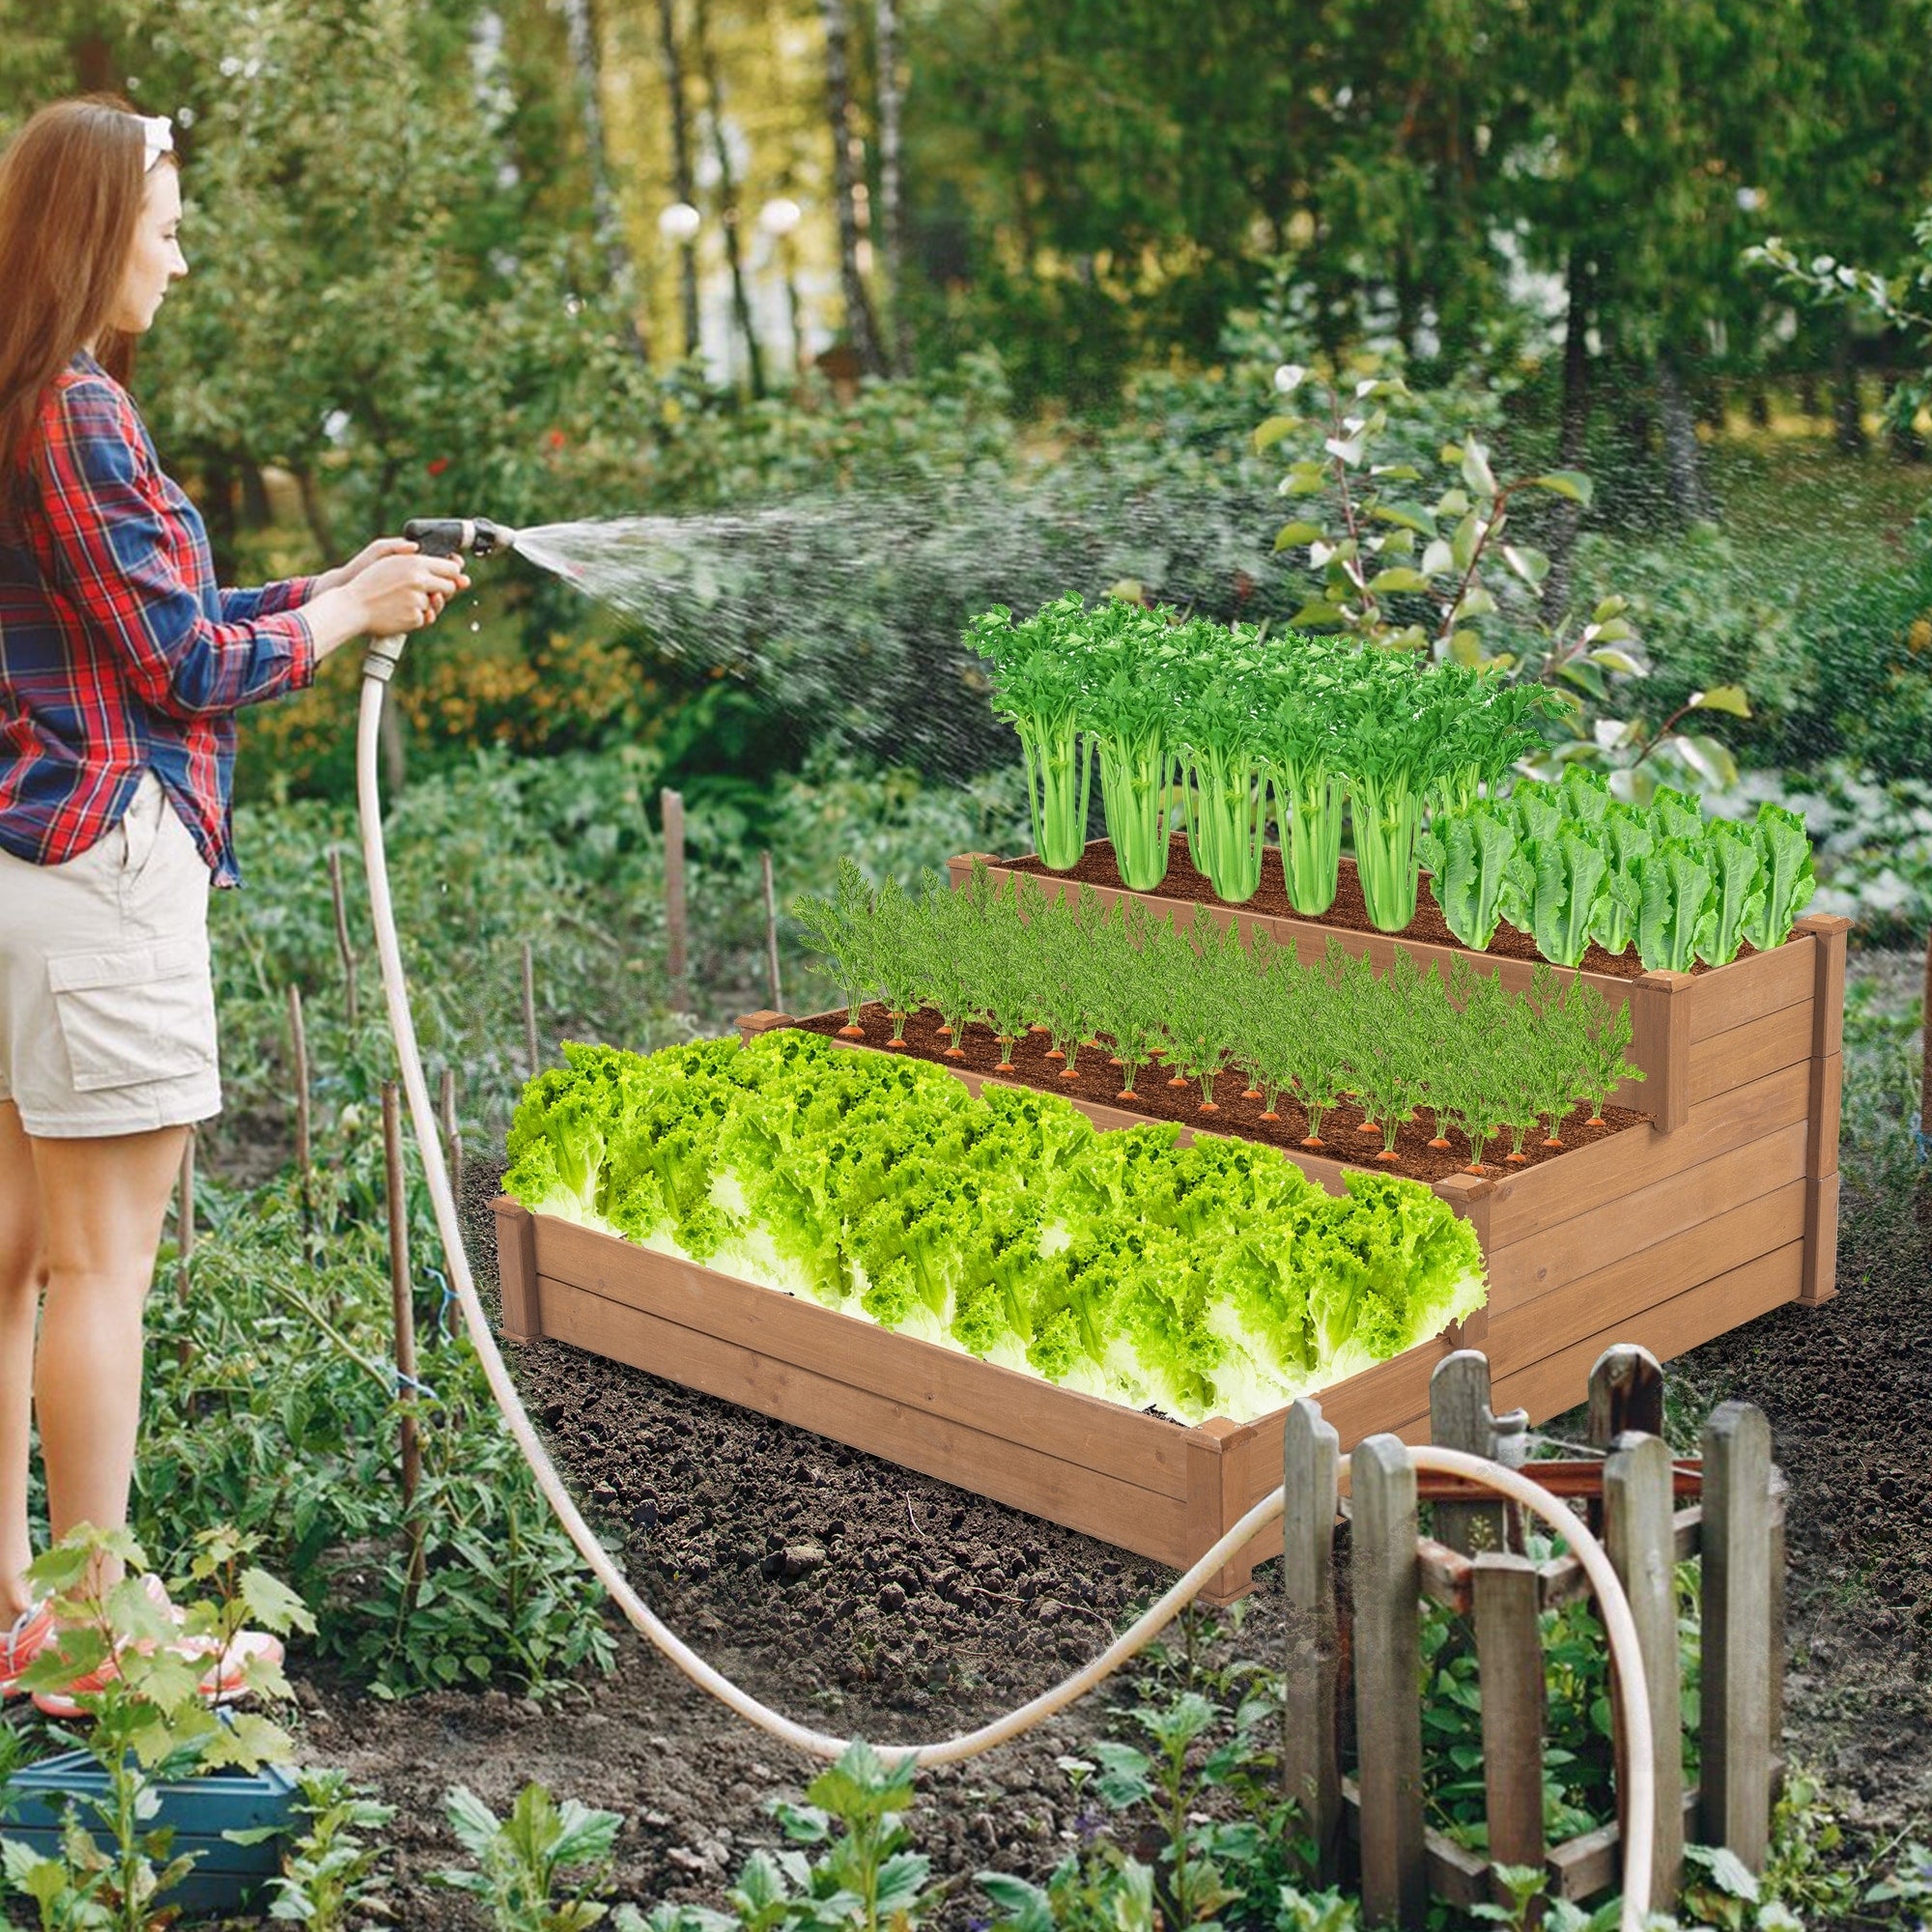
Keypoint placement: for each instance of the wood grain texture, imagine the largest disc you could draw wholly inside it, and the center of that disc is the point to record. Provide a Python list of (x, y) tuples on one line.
[(1748, 1052), (1828, 934), (1640, 1223), (1821, 1240), (1509, 1661), (1212, 1508), (1311, 1660), (1747, 989), (1522, 1205), (1459, 1418), (1108, 1506), (1640, 1536), (1385, 1587), (517, 1270), (1828, 1082), (1735, 1707), (1551, 1384), (1661, 1044), (1032, 1413)]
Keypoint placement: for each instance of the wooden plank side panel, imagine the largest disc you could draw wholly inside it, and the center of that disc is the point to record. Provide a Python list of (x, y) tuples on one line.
[(1624, 1292), (1522, 1205), (1747, 989), (1742, 1054), (845, 1349), (517, 1270), (1560, 1380), (1092, 1501), (1638, 1221)]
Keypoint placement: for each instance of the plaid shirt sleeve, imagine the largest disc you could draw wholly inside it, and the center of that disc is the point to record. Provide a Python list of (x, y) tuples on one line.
[(115, 553), (270, 600)]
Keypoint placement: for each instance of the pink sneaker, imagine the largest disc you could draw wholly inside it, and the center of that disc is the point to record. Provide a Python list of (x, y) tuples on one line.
[(22, 1643)]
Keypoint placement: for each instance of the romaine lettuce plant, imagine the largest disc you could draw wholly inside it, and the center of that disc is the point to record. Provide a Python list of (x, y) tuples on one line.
[(1567, 873), (1737, 895), (1477, 872), (1785, 851), (1678, 886)]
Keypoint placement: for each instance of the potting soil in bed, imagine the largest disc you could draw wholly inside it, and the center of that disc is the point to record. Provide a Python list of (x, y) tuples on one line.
[(1095, 1079), (1349, 914)]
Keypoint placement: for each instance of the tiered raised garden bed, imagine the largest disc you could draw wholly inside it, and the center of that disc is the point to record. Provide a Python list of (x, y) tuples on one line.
[(1664, 1234)]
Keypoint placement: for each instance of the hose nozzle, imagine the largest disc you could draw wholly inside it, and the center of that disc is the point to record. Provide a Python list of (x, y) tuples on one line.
[(456, 536)]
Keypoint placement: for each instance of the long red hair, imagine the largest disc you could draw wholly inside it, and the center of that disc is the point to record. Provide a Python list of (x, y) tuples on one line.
[(71, 184)]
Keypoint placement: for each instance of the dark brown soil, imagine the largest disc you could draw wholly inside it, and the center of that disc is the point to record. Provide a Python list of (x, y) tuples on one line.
[(1235, 1113), (1349, 914)]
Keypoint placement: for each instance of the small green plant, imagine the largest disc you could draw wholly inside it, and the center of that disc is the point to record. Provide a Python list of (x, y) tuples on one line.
[(149, 1723), (333, 1875), (526, 1859), (850, 1862)]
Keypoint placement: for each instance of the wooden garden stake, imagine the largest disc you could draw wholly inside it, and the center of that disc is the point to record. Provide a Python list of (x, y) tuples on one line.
[(772, 933), (672, 806), (342, 945), (298, 1057), (1388, 1666), (1311, 1670), (529, 1009), (1640, 1538), (1735, 1709), (403, 1304), (452, 1134)]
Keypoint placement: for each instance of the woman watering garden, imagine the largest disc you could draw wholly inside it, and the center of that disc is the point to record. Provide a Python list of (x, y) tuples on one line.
[(121, 666)]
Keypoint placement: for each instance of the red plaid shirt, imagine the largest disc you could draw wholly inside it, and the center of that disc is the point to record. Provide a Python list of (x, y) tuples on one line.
[(118, 653)]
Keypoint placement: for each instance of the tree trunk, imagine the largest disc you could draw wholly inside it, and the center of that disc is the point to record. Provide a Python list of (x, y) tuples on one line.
[(1847, 429), (891, 186), (315, 513), (859, 323), (1573, 436), (682, 176), (1907, 444), (728, 193), (1683, 460), (581, 26)]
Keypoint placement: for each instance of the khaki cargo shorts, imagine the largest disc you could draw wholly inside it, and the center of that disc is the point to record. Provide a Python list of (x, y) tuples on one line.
[(106, 1004)]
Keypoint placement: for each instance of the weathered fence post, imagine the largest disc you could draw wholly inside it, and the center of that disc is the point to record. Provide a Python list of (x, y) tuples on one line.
[(772, 932), (1736, 1685), (1640, 1536), (403, 1303), (342, 945), (1311, 1672), (1626, 1399), (672, 805), (1509, 1660), (1459, 1418), (1386, 1580)]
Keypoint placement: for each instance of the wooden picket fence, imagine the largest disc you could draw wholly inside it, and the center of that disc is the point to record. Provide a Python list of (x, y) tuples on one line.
[(1353, 1666)]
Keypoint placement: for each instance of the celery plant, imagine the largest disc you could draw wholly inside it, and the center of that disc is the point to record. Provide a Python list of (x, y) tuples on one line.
[(1301, 752), (1226, 796), (1037, 689), (1395, 749), (1132, 718)]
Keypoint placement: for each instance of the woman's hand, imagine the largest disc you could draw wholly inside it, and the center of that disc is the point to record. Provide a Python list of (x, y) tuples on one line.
[(403, 591), (347, 573)]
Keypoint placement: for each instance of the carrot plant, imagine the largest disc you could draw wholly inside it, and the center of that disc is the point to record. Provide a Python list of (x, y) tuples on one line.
[(948, 981), (899, 954), (842, 929), (1063, 932)]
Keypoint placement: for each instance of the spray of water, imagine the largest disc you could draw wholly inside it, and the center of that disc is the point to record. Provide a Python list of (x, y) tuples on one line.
[(847, 613)]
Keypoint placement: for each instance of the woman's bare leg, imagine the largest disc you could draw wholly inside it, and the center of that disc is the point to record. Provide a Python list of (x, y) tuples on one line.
[(103, 1203), (20, 1278)]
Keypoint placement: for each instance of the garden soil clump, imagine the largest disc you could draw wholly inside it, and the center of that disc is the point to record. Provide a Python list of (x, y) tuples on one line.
[(1097, 1080), (862, 1598), (1349, 912)]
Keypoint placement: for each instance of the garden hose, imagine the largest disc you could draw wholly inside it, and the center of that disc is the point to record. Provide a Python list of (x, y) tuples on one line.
[(1618, 1624)]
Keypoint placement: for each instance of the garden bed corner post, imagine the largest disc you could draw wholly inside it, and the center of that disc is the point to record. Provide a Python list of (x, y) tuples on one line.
[(1828, 935), (1311, 1671), (1387, 1595), (517, 1270)]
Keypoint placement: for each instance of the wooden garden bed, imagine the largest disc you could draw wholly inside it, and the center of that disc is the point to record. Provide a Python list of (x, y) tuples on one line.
[(1658, 1236)]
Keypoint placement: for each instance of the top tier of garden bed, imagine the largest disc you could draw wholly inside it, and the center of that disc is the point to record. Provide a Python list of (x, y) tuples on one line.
[(1677, 1018)]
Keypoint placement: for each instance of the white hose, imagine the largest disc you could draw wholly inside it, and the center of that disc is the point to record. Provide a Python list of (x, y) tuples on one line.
[(1618, 1624)]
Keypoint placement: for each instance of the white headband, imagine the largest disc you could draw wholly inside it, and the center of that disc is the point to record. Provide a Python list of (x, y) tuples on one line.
[(157, 132)]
